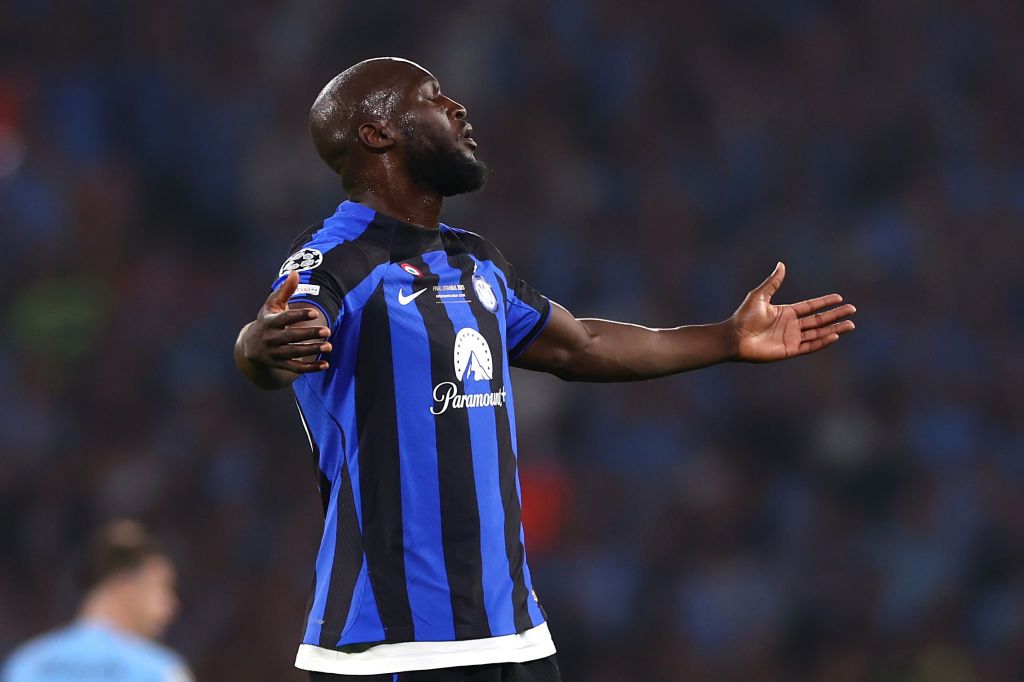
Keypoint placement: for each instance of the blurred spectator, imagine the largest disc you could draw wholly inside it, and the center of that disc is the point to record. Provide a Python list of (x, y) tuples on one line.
[(129, 600)]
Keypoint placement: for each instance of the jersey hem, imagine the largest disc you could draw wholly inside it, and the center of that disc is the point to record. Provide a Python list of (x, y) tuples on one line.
[(531, 645)]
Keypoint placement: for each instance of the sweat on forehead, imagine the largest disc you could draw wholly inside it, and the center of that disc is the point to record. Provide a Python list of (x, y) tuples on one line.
[(372, 87)]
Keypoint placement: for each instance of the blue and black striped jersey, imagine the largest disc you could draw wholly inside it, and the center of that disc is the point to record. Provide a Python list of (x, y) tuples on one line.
[(413, 431)]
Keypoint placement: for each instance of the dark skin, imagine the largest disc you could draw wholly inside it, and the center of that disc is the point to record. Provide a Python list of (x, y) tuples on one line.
[(285, 339)]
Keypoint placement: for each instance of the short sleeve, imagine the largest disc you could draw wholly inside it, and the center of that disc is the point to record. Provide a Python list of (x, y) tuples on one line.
[(317, 283), (526, 311)]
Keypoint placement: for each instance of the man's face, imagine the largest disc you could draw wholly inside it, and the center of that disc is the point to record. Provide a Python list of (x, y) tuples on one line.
[(151, 591), (439, 149)]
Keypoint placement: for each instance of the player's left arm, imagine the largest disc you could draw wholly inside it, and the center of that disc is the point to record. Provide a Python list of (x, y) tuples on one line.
[(759, 331)]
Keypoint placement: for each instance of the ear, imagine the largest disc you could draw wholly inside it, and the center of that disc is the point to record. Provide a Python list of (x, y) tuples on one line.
[(376, 135)]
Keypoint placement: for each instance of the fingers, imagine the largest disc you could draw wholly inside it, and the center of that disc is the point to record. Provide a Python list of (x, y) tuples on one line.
[(288, 317), (303, 367), (814, 340), (300, 350), (278, 298), (815, 304), (296, 335), (827, 317), (817, 344), (834, 329), (766, 289)]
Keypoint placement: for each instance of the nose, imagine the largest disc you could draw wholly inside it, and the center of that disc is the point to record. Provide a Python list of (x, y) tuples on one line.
[(459, 112)]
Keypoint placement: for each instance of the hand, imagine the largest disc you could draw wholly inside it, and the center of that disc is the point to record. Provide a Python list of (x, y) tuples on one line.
[(767, 332), (283, 338)]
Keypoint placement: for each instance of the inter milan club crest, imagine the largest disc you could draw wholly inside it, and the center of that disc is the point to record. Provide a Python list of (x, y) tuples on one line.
[(303, 259), (485, 293)]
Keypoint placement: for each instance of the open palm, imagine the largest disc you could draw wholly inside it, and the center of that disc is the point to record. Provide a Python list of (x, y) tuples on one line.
[(769, 332)]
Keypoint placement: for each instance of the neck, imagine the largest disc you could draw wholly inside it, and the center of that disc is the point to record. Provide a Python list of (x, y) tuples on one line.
[(400, 198), (102, 606)]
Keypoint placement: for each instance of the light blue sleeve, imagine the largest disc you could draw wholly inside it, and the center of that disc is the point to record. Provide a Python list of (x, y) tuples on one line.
[(63, 655), (20, 665)]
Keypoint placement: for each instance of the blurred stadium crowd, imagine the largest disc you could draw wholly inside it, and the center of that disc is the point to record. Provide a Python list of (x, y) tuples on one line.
[(852, 516)]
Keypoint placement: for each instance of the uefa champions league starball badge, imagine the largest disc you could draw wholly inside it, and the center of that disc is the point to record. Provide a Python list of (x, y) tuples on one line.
[(485, 293), (303, 259)]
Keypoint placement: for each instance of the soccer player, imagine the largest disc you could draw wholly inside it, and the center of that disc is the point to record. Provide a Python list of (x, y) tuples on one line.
[(397, 333), (130, 600)]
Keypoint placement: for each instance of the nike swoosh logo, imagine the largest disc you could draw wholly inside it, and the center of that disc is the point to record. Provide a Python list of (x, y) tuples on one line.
[(406, 300)]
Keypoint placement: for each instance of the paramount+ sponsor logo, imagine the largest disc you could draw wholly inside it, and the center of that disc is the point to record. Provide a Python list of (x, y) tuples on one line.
[(473, 363), (446, 394)]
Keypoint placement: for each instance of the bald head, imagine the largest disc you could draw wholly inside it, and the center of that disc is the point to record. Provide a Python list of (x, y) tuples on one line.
[(368, 92), (385, 127)]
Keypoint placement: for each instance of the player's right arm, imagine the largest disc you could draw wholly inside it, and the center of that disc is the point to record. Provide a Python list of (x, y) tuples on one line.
[(284, 341)]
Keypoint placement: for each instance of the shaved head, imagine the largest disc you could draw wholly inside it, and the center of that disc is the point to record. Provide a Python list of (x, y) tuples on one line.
[(370, 91), (383, 124)]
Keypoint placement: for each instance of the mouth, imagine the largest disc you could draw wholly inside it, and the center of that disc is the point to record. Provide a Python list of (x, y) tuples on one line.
[(467, 137)]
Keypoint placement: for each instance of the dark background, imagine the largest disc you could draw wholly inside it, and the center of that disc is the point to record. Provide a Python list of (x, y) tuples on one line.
[(856, 515)]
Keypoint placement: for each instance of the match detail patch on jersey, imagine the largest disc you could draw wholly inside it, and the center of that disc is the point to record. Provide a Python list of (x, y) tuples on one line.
[(450, 293), (485, 293), (311, 289), (303, 259)]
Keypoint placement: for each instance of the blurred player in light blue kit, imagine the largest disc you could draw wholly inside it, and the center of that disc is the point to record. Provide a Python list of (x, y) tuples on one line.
[(130, 599)]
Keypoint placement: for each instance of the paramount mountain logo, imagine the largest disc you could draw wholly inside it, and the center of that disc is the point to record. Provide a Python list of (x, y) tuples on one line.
[(473, 363), (472, 355)]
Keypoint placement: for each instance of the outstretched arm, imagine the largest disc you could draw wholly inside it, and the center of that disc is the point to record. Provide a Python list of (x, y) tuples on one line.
[(283, 341), (601, 350)]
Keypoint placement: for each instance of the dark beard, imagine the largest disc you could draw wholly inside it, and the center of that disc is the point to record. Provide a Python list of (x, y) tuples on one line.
[(440, 166)]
